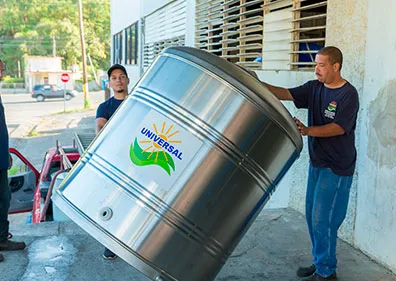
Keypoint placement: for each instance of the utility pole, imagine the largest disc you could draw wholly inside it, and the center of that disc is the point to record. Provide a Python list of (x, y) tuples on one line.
[(84, 60), (19, 69), (53, 46), (93, 69)]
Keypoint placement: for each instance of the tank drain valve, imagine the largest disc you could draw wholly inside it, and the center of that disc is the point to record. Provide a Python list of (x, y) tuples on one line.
[(105, 213)]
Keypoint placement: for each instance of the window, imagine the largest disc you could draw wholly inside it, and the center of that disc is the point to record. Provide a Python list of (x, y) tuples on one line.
[(117, 48), (262, 34), (131, 44), (309, 32), (164, 28), (278, 23), (232, 29), (152, 50)]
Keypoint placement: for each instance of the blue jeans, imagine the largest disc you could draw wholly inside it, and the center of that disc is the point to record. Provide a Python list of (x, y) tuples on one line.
[(5, 197), (326, 206)]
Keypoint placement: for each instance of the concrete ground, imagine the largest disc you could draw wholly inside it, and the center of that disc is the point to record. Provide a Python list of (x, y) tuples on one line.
[(276, 244)]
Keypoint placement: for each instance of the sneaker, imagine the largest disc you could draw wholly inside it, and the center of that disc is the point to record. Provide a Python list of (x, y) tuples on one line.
[(1, 258), (109, 255), (317, 277), (306, 271), (9, 245)]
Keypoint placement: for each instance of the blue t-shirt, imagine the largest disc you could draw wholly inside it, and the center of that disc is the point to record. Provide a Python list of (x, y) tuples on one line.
[(106, 109), (327, 106), (4, 154)]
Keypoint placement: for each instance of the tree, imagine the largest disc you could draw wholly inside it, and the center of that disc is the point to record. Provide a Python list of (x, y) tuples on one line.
[(30, 27)]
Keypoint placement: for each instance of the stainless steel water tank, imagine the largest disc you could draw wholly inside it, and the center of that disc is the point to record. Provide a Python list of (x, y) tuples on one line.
[(179, 173)]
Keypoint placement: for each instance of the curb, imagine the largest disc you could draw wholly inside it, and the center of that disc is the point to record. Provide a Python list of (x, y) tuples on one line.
[(23, 130)]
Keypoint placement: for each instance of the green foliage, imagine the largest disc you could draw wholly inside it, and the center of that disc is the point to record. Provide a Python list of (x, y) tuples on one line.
[(87, 104), (13, 171), (30, 27), (9, 79), (81, 80)]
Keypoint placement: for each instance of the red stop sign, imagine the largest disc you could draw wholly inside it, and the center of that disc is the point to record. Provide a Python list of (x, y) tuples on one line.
[(65, 77)]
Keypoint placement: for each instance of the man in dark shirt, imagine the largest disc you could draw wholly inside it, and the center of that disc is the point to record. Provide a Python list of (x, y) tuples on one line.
[(118, 81), (5, 193), (332, 104)]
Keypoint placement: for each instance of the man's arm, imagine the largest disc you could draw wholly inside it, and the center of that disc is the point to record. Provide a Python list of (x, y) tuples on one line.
[(324, 131), (279, 92), (100, 122)]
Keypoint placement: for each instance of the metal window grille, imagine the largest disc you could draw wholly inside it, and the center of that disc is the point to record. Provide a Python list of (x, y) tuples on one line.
[(164, 28), (308, 33), (232, 29), (262, 34)]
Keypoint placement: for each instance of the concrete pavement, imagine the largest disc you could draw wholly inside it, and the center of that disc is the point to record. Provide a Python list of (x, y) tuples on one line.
[(276, 244)]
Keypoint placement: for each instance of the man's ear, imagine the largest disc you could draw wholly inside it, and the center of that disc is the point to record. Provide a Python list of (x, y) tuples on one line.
[(337, 67)]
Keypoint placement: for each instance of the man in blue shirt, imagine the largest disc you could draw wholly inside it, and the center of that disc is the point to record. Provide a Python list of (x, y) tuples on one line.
[(332, 104), (5, 193), (118, 81)]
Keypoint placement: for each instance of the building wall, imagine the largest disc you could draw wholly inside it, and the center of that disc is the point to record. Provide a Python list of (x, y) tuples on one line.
[(34, 64), (347, 24), (149, 7), (123, 13), (376, 201)]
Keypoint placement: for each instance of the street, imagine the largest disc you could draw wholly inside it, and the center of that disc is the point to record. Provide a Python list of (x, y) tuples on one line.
[(35, 126), (22, 108)]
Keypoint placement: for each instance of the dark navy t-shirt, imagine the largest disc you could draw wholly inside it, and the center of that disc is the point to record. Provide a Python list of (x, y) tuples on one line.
[(106, 109), (4, 154), (327, 106)]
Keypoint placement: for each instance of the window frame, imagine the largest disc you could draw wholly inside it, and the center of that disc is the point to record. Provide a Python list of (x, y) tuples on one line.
[(131, 44), (117, 47)]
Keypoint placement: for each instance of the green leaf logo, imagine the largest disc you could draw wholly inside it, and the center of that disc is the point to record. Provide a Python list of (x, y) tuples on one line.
[(143, 158), (332, 106)]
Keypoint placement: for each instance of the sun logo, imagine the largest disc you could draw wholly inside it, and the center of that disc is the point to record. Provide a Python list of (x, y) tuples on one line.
[(160, 148), (161, 144)]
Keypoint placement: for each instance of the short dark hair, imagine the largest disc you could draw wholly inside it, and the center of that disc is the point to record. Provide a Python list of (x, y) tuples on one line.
[(117, 66), (334, 54)]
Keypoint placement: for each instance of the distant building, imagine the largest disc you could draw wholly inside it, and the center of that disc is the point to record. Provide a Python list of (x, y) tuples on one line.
[(45, 70)]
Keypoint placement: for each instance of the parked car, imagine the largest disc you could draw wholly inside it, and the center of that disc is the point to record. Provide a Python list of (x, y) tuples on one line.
[(48, 91)]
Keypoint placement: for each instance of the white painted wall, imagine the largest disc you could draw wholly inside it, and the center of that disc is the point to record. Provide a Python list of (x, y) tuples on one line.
[(123, 13), (149, 7), (190, 23), (376, 205)]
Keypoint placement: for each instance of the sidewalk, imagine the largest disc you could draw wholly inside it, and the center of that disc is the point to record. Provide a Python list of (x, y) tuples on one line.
[(48, 130), (276, 244)]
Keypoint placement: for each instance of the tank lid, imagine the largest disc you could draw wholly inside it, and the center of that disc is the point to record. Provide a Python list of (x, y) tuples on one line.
[(246, 83)]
